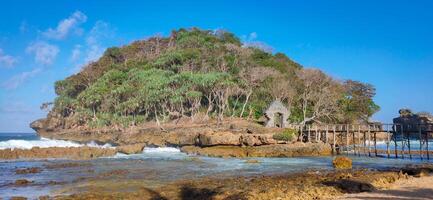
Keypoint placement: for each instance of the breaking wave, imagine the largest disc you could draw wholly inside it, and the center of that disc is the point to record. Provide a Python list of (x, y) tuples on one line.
[(46, 143)]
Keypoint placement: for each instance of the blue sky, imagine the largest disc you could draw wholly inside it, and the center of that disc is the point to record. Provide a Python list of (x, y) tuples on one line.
[(386, 43)]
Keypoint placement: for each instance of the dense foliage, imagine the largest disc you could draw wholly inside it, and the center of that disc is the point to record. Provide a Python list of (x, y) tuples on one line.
[(209, 72), (286, 135)]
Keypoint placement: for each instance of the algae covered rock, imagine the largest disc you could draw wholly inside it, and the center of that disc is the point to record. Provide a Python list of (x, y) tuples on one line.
[(342, 162)]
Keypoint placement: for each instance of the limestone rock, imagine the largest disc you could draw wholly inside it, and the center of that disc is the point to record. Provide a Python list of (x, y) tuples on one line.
[(219, 138), (131, 148)]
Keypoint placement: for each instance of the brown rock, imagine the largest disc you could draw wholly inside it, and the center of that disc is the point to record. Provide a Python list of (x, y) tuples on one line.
[(18, 198), (252, 161), (67, 165), (131, 149), (342, 162), (32, 170), (57, 152), (216, 151), (277, 150), (22, 182), (219, 138)]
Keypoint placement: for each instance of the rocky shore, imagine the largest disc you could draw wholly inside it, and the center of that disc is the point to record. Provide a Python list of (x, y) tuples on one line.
[(236, 132), (230, 138), (57, 152), (275, 150), (301, 186)]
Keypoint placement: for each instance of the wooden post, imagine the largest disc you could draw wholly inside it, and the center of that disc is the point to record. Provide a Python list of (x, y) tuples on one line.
[(359, 139), (375, 143), (394, 126), (364, 143), (420, 142), (347, 139), (387, 140), (333, 138), (353, 139), (408, 141), (402, 141), (369, 141), (309, 132), (326, 135)]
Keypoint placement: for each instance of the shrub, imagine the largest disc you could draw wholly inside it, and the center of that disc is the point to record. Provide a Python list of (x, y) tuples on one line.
[(287, 135)]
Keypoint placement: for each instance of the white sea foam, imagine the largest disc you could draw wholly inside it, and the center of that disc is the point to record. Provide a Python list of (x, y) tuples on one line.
[(161, 150), (45, 143)]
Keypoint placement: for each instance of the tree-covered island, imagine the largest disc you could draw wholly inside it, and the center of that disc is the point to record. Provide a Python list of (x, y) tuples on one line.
[(202, 74)]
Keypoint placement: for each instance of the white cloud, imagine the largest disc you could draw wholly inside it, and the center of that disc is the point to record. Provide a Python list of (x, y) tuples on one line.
[(94, 47), (44, 52), (100, 31), (251, 41), (18, 79), (66, 26), (7, 60), (259, 45), (76, 53)]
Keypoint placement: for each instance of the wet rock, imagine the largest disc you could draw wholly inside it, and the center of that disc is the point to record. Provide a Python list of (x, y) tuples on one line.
[(193, 159), (252, 161), (131, 149), (22, 182), (18, 198), (351, 186), (342, 162), (44, 197), (32, 170), (67, 165), (117, 172), (216, 151), (277, 150), (418, 171)]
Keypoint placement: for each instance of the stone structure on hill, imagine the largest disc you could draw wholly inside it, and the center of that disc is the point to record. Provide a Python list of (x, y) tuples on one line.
[(276, 115)]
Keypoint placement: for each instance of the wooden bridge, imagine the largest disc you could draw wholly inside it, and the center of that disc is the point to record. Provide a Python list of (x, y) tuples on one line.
[(400, 140)]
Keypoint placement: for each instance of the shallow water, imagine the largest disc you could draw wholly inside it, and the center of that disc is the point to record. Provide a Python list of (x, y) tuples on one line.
[(158, 166)]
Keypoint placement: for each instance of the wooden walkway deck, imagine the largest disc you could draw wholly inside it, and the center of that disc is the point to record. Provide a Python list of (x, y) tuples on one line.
[(396, 140)]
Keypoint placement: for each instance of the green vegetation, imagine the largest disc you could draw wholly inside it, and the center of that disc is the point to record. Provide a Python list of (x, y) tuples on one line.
[(197, 71), (287, 135)]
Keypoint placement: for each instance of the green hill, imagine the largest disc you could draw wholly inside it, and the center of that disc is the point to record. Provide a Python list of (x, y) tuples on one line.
[(202, 73)]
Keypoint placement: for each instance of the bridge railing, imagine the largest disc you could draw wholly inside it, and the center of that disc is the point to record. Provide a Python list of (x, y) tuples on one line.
[(377, 139)]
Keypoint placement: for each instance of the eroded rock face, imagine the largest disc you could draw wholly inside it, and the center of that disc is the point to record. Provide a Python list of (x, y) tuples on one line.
[(38, 124), (277, 150)]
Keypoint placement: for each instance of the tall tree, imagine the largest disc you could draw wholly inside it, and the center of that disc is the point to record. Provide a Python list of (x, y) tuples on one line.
[(357, 103)]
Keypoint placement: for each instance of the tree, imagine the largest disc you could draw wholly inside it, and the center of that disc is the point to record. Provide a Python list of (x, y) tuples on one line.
[(318, 95), (357, 102)]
